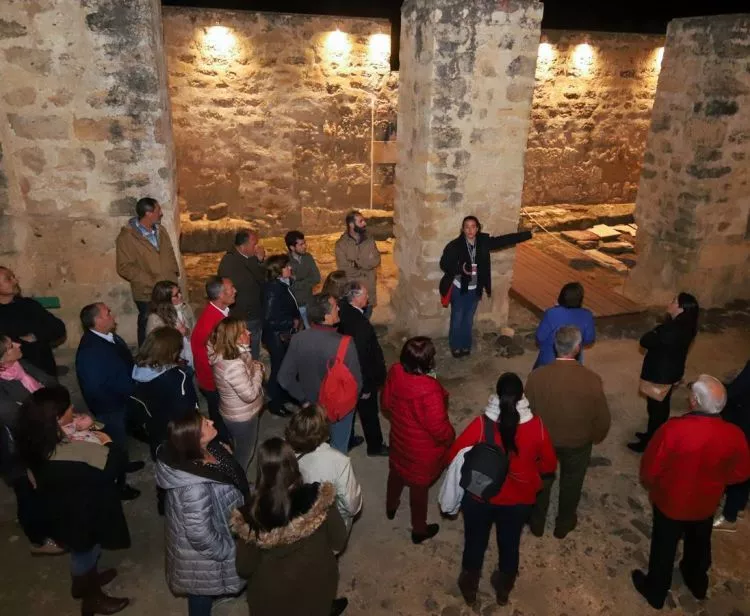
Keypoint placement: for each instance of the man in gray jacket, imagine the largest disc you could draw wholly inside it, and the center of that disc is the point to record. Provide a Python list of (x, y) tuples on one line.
[(307, 361), (305, 271)]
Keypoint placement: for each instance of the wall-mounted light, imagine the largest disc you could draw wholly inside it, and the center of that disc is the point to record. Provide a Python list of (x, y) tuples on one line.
[(658, 57), (583, 57), (380, 48), (338, 46), (546, 53), (219, 42)]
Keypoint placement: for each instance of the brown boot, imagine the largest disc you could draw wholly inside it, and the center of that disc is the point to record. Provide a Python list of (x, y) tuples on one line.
[(502, 583), (468, 584), (96, 602), (81, 582)]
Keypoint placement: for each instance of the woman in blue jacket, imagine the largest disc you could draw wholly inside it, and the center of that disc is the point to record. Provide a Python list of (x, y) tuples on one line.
[(567, 312)]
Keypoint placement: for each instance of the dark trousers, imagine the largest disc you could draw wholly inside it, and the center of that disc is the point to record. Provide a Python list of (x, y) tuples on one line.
[(199, 605), (737, 498), (463, 309), (142, 318), (368, 411), (255, 327), (574, 461), (478, 520), (212, 401), (29, 511), (418, 496), (696, 554), (277, 350), (658, 413)]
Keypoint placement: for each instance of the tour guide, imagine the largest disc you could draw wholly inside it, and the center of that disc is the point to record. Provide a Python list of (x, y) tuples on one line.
[(466, 263)]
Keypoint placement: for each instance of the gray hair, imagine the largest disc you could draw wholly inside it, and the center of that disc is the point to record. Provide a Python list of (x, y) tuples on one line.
[(568, 341), (214, 285), (710, 395), (352, 290)]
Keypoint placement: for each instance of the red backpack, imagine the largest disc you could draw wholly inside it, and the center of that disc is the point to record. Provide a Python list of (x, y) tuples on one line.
[(339, 390)]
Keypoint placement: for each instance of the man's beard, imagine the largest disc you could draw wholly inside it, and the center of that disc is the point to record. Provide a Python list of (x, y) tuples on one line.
[(360, 230)]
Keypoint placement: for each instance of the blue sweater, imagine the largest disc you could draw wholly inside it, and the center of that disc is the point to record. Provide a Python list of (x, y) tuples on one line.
[(555, 318), (104, 373)]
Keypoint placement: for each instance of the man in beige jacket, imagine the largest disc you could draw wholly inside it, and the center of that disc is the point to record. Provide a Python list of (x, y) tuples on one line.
[(358, 256), (145, 256)]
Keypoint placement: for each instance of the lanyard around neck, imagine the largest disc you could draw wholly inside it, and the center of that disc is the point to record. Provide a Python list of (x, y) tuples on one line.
[(472, 251)]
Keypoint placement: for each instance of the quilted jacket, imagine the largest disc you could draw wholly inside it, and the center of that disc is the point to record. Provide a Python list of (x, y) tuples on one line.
[(199, 545), (421, 433), (240, 385)]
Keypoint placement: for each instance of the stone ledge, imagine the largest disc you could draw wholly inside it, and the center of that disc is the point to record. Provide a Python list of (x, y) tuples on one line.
[(567, 217)]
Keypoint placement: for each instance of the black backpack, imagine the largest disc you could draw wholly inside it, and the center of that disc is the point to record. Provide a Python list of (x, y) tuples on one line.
[(485, 465)]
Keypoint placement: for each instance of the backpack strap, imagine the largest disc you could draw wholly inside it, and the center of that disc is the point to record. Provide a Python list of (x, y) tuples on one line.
[(343, 347), (488, 429)]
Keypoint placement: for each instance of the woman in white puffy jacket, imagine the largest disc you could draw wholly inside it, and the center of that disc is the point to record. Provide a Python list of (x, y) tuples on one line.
[(239, 381), (308, 434)]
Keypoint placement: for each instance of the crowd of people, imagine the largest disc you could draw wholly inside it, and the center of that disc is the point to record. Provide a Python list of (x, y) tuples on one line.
[(284, 527)]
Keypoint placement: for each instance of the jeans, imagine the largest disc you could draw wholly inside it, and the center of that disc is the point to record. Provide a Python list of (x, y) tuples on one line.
[(418, 496), (199, 605), (658, 413), (368, 411), (212, 400), (463, 308), (255, 327), (142, 318), (277, 350), (31, 515), (478, 520), (737, 498), (696, 554), (574, 462), (303, 315), (83, 562), (340, 431), (244, 438)]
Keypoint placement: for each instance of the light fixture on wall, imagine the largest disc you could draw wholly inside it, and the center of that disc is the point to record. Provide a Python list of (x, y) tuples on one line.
[(380, 48), (219, 42), (338, 46), (583, 57), (545, 58)]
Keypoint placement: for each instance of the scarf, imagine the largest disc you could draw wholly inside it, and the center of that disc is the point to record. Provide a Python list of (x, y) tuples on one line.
[(492, 410), (15, 372)]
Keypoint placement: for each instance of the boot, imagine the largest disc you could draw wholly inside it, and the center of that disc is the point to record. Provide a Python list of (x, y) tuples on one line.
[(502, 583), (96, 602), (468, 584), (81, 583)]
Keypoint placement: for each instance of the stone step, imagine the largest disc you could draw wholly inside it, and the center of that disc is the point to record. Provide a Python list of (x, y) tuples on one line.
[(605, 232), (587, 244), (625, 229), (607, 261), (616, 248), (580, 236)]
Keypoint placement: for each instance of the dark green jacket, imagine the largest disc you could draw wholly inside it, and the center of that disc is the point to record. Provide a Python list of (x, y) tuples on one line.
[(248, 275), (306, 276)]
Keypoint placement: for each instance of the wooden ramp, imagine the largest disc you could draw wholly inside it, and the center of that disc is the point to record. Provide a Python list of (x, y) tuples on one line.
[(538, 278)]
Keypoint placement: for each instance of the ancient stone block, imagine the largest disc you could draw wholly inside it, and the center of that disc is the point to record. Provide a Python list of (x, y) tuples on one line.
[(39, 127), (587, 244), (75, 159), (123, 207), (217, 211), (32, 60), (11, 29), (33, 158), (616, 248), (20, 97), (580, 236)]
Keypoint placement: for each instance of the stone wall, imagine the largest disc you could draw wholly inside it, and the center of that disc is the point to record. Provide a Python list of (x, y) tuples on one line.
[(85, 130), (467, 81), (693, 207), (590, 116), (274, 115)]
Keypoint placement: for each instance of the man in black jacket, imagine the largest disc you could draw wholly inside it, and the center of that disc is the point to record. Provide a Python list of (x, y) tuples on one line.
[(354, 323), (243, 265), (25, 321)]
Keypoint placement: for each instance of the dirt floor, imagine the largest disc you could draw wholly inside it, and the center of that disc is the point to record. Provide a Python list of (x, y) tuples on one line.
[(382, 573)]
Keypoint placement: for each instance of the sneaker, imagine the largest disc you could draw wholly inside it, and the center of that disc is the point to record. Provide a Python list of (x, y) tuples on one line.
[(721, 523), (432, 530), (49, 548)]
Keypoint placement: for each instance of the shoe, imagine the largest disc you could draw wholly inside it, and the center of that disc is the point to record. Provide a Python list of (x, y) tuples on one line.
[(432, 530), (456, 353), (465, 352), (48, 548), (740, 514), (722, 524), (640, 582), (537, 531), (502, 583), (99, 603), (80, 584), (698, 590), (390, 514), (560, 533), (128, 493), (638, 446), (135, 466), (355, 441), (381, 452), (339, 606), (468, 584)]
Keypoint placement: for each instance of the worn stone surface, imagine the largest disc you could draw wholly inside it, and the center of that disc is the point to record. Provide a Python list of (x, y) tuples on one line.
[(590, 117), (466, 83), (571, 216), (693, 210), (74, 164), (279, 124)]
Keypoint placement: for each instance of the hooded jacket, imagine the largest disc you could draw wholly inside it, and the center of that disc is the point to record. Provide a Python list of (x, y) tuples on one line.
[(141, 264), (421, 432), (199, 545), (240, 385), (667, 347), (536, 457), (292, 570), (360, 261)]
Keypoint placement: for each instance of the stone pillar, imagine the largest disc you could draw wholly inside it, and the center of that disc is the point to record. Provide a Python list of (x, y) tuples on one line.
[(693, 204), (465, 89), (85, 130)]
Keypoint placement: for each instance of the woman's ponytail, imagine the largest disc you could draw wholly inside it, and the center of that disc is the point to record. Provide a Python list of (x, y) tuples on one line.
[(510, 392)]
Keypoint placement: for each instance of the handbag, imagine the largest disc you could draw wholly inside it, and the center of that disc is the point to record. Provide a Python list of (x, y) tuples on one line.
[(655, 391), (445, 300)]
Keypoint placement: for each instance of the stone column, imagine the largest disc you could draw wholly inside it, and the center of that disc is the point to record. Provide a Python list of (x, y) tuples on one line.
[(465, 89), (85, 131), (693, 204)]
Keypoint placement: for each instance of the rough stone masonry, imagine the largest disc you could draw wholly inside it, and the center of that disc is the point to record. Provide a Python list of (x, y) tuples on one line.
[(693, 205), (84, 131), (465, 91)]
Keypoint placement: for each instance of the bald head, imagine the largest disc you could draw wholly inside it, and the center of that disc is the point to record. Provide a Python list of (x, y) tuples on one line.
[(708, 395)]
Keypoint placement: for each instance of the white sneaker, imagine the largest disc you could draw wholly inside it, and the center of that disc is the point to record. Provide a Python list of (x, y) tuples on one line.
[(721, 523), (741, 515)]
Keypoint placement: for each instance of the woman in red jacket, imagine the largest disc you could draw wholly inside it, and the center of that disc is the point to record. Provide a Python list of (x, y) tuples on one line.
[(531, 455), (420, 432)]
